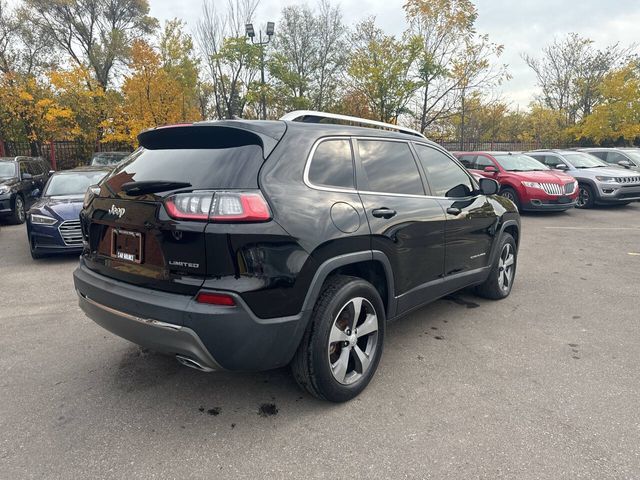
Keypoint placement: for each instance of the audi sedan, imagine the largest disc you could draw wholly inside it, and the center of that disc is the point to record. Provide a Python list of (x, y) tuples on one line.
[(53, 224)]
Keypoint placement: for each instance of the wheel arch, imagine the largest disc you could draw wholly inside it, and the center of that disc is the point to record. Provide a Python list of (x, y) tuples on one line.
[(372, 266)]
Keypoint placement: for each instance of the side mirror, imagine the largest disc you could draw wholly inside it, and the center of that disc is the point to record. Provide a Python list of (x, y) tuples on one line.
[(625, 163), (488, 186), (51, 172), (561, 166), (490, 169), (35, 193), (27, 176)]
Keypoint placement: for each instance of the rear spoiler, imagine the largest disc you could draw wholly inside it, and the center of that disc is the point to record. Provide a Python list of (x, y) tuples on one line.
[(216, 134)]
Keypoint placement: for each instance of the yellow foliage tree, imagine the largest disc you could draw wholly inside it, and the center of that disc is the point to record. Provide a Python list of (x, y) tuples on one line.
[(618, 116), (29, 111), (152, 97)]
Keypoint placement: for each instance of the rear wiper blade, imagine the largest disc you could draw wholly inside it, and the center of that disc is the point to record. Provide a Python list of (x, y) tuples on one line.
[(152, 186)]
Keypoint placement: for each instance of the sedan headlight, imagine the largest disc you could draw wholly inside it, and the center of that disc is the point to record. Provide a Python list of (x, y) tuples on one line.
[(532, 184), (4, 189), (42, 219), (607, 179), (91, 192)]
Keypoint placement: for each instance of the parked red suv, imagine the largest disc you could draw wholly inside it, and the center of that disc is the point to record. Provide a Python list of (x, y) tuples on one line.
[(523, 180)]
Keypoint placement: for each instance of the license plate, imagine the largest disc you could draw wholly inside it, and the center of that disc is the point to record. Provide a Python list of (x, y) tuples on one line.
[(126, 245), (564, 200)]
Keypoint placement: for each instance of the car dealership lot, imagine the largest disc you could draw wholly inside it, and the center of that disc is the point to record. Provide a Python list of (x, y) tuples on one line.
[(544, 384)]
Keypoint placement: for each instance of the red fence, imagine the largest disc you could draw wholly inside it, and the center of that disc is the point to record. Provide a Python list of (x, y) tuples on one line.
[(62, 155)]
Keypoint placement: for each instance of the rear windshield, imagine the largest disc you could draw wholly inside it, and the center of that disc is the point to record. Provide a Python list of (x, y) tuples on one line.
[(235, 167)]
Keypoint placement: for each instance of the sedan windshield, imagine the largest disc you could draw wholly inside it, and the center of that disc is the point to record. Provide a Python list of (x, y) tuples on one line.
[(7, 170), (584, 160), (72, 183), (108, 158), (519, 163)]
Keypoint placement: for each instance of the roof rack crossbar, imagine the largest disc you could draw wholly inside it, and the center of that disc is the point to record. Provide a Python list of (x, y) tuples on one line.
[(314, 116)]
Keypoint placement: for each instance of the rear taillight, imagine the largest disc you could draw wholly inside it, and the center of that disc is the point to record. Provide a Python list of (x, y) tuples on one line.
[(219, 207), (215, 299)]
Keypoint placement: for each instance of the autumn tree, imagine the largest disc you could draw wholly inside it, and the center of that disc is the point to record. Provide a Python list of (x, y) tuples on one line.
[(379, 70), (617, 117), (179, 61), (95, 34), (569, 73), (231, 63), (309, 53), (453, 60)]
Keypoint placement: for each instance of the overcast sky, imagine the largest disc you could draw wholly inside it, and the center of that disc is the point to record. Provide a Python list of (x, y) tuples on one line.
[(522, 26)]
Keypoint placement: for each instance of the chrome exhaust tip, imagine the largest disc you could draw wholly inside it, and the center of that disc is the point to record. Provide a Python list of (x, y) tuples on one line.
[(191, 363)]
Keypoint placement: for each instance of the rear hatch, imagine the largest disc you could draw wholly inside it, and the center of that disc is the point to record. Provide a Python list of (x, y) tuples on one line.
[(146, 225)]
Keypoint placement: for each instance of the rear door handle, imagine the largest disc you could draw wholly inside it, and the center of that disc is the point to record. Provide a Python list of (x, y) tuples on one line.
[(454, 211), (383, 213)]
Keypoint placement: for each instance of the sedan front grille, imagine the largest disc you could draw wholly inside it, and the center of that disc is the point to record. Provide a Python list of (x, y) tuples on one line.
[(628, 179), (569, 187), (552, 188), (71, 232)]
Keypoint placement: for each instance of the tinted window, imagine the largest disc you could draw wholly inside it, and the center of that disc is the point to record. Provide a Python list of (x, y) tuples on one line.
[(72, 183), (34, 168), (600, 155), (332, 164), (445, 177), (235, 167), (390, 167), (468, 160), (482, 162), (24, 168)]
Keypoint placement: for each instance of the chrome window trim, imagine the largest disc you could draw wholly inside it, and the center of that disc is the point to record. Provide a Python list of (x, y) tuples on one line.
[(307, 166), (309, 184)]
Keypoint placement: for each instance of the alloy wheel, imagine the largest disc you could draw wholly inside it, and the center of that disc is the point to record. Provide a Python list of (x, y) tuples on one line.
[(20, 214), (506, 264), (353, 340), (509, 196), (583, 197)]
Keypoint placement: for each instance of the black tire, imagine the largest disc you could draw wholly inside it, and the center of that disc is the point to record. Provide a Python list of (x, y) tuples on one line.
[(586, 197), (511, 194), (312, 363), (494, 286), (19, 213)]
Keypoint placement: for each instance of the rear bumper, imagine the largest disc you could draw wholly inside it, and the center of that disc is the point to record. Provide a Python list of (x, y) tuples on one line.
[(215, 337)]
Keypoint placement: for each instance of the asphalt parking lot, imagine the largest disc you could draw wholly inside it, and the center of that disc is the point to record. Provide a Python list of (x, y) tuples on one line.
[(544, 384)]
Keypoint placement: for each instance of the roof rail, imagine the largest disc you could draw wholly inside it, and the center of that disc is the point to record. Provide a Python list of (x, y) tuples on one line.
[(312, 116)]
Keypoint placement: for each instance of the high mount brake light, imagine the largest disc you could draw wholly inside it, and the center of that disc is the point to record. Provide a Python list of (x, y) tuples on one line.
[(223, 206)]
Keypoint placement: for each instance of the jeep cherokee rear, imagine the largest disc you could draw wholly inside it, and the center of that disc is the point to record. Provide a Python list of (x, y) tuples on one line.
[(250, 245)]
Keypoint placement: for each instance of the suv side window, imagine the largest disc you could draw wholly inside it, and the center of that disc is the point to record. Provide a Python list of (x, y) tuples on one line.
[(390, 167), (332, 164), (34, 168), (552, 161), (24, 168), (600, 155), (482, 162), (446, 178), (468, 161), (615, 157)]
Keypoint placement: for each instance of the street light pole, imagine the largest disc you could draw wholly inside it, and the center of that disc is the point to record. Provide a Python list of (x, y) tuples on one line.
[(262, 44)]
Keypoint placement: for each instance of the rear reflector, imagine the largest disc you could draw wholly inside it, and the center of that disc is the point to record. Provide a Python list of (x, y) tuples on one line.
[(215, 299), (228, 206)]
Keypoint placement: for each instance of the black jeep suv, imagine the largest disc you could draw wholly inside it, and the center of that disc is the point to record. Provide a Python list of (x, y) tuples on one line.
[(251, 245)]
